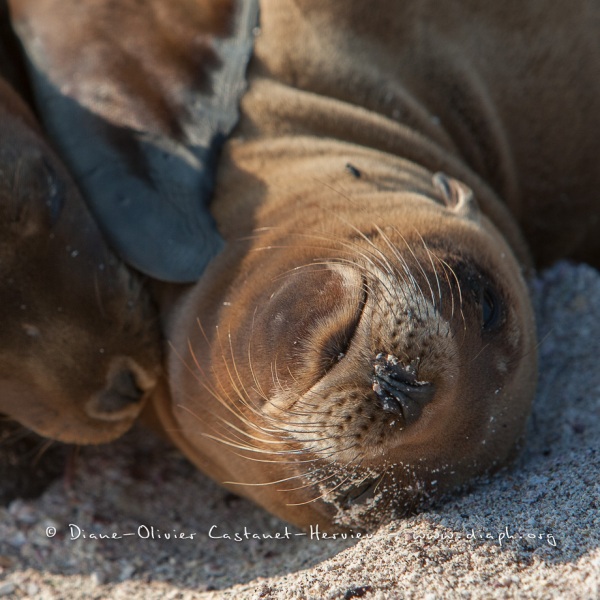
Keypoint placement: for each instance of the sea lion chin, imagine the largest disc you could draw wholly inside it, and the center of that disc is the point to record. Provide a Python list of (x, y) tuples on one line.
[(355, 361)]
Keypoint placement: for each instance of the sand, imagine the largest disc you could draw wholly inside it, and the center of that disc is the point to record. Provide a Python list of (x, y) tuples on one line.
[(530, 532)]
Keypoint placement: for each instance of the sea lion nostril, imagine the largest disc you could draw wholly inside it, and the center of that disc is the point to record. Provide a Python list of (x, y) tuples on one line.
[(122, 392), (125, 384), (398, 390)]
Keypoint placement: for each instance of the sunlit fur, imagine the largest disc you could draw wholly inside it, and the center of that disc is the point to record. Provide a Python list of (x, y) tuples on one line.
[(256, 404), (337, 225)]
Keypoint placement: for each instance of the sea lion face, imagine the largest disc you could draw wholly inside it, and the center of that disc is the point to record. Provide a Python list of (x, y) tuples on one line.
[(391, 360), (79, 349)]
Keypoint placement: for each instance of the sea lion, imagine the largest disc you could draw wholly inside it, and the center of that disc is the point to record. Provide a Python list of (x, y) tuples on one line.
[(369, 346), (79, 337), (365, 338)]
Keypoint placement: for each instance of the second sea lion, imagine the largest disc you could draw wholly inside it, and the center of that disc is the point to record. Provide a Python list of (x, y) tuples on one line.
[(79, 339)]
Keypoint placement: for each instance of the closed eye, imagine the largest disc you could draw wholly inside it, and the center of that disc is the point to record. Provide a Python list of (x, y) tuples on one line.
[(337, 345)]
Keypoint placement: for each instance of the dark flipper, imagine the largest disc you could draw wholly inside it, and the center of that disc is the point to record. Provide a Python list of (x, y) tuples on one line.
[(139, 102)]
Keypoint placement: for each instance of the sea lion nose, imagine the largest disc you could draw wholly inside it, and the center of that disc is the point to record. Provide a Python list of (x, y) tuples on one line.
[(120, 399), (398, 390)]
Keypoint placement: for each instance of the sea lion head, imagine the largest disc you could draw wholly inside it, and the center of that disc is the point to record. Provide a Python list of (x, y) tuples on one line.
[(357, 361), (79, 346)]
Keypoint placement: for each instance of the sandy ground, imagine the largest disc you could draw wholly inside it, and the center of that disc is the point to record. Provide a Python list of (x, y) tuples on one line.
[(530, 532)]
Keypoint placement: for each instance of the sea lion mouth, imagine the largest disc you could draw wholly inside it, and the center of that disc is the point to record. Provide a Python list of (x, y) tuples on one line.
[(359, 493)]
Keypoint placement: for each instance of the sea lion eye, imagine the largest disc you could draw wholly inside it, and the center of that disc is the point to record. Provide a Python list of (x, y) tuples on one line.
[(336, 346), (490, 308)]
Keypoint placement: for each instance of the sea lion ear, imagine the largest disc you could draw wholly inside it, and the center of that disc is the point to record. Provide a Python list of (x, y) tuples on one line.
[(457, 196), (141, 123)]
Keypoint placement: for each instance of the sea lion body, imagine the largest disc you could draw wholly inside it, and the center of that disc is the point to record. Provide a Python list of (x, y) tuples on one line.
[(79, 342), (366, 337)]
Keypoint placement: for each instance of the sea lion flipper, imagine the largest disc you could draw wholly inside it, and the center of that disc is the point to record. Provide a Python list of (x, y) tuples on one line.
[(148, 193), (140, 114)]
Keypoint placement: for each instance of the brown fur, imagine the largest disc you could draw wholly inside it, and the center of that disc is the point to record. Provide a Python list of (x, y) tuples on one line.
[(79, 345), (343, 247)]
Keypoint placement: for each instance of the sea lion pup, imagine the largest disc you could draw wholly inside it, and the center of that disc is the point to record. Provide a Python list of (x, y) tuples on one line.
[(79, 340), (366, 337)]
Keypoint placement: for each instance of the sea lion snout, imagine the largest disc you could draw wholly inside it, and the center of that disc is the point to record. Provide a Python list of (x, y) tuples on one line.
[(372, 373)]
